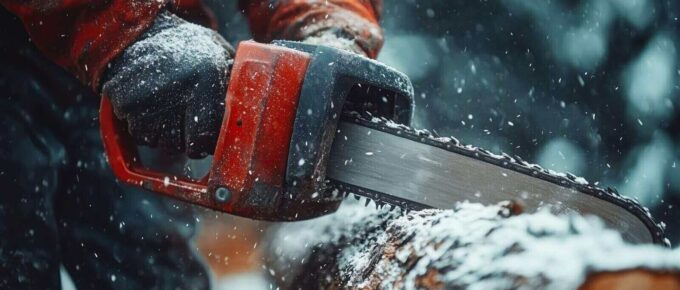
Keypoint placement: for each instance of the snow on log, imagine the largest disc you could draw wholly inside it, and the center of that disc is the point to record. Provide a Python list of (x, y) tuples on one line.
[(470, 247)]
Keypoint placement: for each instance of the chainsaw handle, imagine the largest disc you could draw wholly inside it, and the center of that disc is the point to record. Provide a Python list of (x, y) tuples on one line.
[(124, 159), (247, 173)]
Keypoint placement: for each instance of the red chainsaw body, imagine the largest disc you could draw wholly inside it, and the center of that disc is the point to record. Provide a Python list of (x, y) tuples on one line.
[(261, 105), (252, 149)]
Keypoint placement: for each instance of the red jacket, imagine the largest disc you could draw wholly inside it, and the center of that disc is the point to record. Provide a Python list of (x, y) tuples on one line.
[(83, 36)]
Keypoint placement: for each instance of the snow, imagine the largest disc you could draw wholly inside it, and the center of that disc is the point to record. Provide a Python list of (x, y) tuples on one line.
[(248, 280), (333, 41), (293, 243), (581, 180), (170, 43), (471, 247)]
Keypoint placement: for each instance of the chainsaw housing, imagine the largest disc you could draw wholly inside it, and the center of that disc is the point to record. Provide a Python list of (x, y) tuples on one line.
[(281, 113)]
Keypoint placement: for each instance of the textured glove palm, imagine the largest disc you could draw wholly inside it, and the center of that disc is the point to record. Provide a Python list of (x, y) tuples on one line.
[(170, 86)]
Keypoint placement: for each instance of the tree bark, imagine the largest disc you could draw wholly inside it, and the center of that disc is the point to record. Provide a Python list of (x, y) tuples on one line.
[(470, 247)]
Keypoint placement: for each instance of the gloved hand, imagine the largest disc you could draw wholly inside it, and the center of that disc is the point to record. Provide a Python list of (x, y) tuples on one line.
[(336, 38), (170, 86)]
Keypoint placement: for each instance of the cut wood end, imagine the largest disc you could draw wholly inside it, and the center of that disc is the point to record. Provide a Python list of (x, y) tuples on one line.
[(633, 280)]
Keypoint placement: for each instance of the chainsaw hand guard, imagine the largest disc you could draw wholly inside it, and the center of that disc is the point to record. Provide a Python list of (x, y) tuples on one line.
[(281, 112)]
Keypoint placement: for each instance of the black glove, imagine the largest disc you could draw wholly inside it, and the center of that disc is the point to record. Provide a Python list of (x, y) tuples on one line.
[(170, 86), (336, 38)]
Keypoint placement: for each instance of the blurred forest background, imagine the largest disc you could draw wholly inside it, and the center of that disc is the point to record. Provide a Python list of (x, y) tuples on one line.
[(590, 87)]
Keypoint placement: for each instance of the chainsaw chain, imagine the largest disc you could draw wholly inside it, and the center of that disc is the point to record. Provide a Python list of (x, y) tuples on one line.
[(503, 160)]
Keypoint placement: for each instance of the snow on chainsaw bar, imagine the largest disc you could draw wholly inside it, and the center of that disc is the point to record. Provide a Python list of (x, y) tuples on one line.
[(516, 162)]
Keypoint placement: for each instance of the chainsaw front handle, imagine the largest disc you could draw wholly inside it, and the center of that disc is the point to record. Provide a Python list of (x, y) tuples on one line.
[(123, 157), (281, 111)]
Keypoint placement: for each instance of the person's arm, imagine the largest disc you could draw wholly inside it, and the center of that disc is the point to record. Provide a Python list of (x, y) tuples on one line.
[(83, 36), (352, 22), (164, 76)]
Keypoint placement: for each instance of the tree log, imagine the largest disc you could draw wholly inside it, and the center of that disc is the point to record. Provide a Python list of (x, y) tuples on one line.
[(470, 247)]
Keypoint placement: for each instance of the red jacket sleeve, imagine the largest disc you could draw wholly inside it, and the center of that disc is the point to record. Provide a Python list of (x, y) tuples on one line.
[(298, 19), (83, 36)]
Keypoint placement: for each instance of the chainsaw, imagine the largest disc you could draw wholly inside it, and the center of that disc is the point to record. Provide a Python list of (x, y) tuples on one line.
[(306, 125)]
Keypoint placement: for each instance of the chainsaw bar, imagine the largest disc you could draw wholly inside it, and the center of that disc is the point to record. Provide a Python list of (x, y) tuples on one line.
[(394, 164)]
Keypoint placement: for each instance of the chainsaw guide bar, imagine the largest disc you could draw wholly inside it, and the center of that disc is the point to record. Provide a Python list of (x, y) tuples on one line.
[(394, 164)]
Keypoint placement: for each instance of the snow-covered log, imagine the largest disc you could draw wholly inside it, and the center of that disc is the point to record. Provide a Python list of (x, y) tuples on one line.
[(471, 247)]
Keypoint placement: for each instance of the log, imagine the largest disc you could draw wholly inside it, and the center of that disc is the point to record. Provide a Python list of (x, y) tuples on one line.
[(471, 247)]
